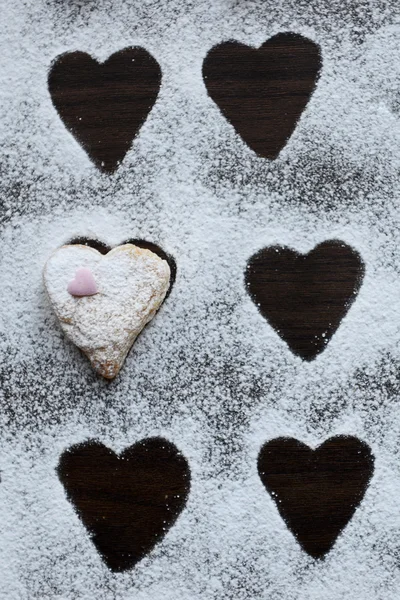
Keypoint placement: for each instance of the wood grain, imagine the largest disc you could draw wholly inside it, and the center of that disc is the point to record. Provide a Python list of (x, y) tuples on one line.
[(316, 491), (263, 91), (127, 502), (305, 296), (104, 105)]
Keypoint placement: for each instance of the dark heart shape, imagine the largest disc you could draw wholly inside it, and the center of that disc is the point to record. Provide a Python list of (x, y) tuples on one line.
[(126, 502), (104, 105), (263, 91), (316, 491), (305, 296)]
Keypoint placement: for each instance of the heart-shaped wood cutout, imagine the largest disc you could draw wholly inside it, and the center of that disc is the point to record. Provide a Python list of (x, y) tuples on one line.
[(305, 296), (131, 284), (316, 491), (263, 92), (104, 105), (127, 502)]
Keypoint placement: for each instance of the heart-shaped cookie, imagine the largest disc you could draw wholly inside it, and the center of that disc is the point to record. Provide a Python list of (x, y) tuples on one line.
[(316, 491), (263, 91), (305, 296), (104, 105), (127, 502), (131, 285)]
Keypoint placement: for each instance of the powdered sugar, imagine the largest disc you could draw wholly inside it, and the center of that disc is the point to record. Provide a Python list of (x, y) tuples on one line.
[(209, 373)]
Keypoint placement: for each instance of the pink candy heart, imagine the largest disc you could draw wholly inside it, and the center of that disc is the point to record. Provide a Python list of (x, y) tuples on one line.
[(83, 284)]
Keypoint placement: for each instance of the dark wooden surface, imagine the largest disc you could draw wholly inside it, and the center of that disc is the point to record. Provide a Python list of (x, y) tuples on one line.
[(305, 296), (124, 501), (316, 490), (104, 105), (263, 91), (127, 502)]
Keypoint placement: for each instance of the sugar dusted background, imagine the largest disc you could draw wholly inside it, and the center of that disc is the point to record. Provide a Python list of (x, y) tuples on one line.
[(208, 373)]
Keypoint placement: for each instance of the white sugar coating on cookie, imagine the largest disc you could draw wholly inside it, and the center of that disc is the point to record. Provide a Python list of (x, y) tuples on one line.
[(131, 286), (208, 373)]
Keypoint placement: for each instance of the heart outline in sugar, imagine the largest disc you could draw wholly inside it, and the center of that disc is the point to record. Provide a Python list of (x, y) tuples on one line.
[(132, 284), (127, 502), (85, 93), (304, 297), (256, 104), (316, 491)]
